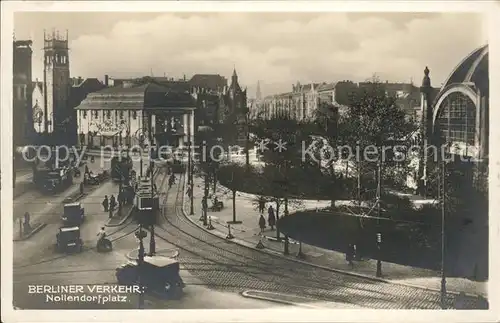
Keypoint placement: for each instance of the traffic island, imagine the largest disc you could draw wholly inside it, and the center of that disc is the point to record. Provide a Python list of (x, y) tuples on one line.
[(116, 220), (26, 235), (167, 253)]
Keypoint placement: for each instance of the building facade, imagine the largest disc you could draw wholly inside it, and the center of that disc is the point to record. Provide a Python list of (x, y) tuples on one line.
[(457, 117), (136, 113), (305, 101), (22, 93)]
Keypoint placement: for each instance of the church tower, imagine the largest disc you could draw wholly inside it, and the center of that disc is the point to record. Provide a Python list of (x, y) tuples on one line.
[(57, 81), (258, 95)]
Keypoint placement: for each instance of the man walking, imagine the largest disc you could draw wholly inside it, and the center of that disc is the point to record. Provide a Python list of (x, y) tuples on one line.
[(105, 203), (271, 218), (112, 203)]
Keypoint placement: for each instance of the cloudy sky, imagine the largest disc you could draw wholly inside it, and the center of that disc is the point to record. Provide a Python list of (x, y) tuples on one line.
[(276, 48)]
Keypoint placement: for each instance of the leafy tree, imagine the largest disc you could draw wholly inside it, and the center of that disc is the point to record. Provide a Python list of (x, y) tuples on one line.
[(371, 121)]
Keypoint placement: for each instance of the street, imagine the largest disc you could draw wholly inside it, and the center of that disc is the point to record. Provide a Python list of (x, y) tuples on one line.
[(214, 270), (37, 263)]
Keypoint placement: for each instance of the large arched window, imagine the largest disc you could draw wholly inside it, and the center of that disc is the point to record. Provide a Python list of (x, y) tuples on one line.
[(456, 120)]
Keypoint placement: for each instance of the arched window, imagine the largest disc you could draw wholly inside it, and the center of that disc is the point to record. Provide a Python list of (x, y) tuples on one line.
[(456, 121)]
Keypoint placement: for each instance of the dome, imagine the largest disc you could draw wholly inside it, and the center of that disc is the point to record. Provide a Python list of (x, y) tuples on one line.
[(473, 69)]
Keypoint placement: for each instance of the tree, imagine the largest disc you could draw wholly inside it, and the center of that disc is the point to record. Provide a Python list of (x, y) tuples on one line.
[(234, 177)]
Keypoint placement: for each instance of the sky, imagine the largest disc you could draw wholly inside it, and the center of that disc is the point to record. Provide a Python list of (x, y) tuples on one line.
[(277, 49)]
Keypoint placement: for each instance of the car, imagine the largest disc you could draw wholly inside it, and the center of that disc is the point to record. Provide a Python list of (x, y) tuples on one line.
[(92, 179), (74, 214), (68, 239), (160, 276)]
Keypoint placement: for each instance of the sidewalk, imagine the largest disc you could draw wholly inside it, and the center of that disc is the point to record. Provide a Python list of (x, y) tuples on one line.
[(247, 233)]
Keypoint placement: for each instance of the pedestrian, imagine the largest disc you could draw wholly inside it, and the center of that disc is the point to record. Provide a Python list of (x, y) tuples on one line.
[(105, 203), (271, 219), (112, 203), (189, 191), (262, 205), (262, 223), (87, 169), (349, 255), (120, 197), (81, 188)]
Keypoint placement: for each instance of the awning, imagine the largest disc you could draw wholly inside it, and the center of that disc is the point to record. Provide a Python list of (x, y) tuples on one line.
[(109, 133)]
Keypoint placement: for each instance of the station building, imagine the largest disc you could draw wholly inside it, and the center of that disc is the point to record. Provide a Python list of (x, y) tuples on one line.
[(458, 115)]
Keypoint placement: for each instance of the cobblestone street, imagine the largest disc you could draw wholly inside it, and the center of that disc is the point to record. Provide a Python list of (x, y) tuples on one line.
[(227, 266)]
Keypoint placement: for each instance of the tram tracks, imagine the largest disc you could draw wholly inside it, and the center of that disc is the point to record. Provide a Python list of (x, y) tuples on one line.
[(227, 266)]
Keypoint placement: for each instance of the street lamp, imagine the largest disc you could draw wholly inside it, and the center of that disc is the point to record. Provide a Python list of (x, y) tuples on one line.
[(190, 178), (140, 262), (152, 241), (379, 235)]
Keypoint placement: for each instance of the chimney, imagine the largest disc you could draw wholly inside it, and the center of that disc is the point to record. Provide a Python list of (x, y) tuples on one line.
[(106, 80)]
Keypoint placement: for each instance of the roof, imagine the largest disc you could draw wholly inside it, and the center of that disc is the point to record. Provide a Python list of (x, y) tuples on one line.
[(72, 204), (473, 68), (37, 84), (327, 86), (88, 80), (208, 81), (131, 95), (67, 229), (160, 261)]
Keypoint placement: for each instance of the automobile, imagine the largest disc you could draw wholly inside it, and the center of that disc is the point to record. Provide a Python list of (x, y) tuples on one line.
[(73, 214), (53, 180), (160, 276), (92, 179), (68, 239)]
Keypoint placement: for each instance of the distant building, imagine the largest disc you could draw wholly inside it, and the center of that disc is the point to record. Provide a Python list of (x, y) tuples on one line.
[(407, 97), (304, 101)]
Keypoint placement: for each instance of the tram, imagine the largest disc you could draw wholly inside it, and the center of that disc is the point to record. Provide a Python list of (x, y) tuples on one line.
[(121, 168), (146, 203)]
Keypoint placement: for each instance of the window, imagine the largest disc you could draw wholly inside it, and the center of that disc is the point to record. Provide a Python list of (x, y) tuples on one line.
[(84, 114), (134, 115), (457, 119), (121, 115), (108, 114)]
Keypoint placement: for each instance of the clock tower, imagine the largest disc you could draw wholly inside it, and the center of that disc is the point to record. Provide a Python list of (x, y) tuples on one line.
[(56, 82)]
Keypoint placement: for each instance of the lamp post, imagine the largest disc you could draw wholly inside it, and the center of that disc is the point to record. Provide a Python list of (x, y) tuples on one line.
[(190, 178), (152, 241), (140, 263), (379, 234), (442, 171)]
